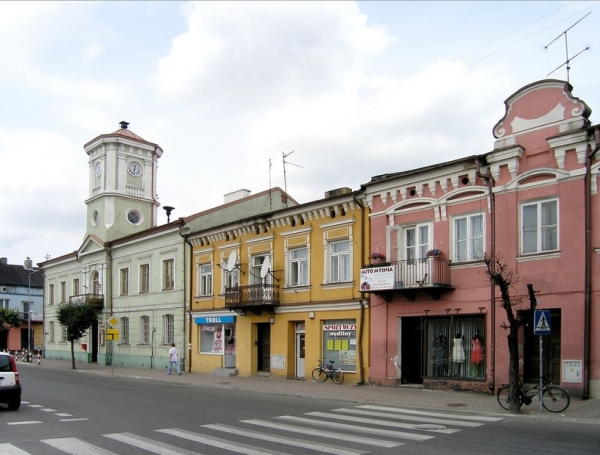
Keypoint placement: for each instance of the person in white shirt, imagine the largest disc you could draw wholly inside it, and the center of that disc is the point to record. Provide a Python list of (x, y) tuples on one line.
[(173, 359)]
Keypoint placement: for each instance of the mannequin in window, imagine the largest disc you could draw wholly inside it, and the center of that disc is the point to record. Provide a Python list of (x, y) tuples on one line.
[(476, 352), (440, 356), (458, 349)]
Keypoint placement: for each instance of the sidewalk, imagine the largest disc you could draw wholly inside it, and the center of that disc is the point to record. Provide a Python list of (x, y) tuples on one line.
[(581, 411)]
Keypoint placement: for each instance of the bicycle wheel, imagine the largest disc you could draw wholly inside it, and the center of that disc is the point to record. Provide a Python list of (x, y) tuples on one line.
[(503, 397), (319, 375), (556, 399), (337, 375)]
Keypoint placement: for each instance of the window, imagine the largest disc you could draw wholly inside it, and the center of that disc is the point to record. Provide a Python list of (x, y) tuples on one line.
[(454, 347), (211, 338), (134, 217), (96, 287), (339, 343), (168, 329), (416, 241), (145, 330), (51, 331), (299, 267), (76, 286), (144, 278), (468, 238), (205, 279), (51, 294), (339, 262), (5, 304), (124, 275), (63, 333), (168, 278), (124, 331), (63, 291), (232, 278), (539, 231), (256, 271)]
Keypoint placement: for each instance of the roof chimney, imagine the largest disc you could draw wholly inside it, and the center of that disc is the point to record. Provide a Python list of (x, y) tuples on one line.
[(124, 125), (3, 261)]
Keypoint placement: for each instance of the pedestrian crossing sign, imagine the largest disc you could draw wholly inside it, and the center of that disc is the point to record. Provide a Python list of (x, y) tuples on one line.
[(541, 322)]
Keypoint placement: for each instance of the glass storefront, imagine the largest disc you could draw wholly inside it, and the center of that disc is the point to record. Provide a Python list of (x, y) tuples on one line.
[(339, 343)]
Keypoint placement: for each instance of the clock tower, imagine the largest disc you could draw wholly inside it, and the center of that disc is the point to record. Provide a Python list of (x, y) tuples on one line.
[(122, 192)]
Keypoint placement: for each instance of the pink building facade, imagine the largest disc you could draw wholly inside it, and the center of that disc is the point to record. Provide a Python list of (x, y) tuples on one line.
[(532, 202)]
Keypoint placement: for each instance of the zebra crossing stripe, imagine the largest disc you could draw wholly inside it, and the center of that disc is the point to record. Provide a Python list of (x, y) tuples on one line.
[(413, 418), (9, 449), (287, 441), (359, 429), (384, 423), (148, 444), (325, 434), (75, 447), (432, 414), (217, 442)]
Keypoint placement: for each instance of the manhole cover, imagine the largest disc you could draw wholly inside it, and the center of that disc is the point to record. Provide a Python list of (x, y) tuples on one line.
[(430, 427), (455, 405)]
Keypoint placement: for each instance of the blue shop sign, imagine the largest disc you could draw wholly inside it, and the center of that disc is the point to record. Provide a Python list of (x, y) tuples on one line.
[(215, 320)]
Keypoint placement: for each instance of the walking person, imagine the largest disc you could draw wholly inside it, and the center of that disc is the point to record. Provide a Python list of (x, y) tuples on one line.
[(173, 359)]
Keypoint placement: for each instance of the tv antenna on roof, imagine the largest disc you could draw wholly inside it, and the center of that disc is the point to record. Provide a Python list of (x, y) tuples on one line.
[(568, 60), (284, 172)]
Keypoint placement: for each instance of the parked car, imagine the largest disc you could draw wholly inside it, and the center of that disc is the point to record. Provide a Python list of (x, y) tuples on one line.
[(10, 385)]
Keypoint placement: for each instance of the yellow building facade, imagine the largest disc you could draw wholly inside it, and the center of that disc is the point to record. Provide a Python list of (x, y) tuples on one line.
[(274, 294)]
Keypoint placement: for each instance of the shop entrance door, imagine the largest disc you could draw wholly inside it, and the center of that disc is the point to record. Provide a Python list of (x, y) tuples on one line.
[(411, 349), (551, 351), (300, 340), (264, 347)]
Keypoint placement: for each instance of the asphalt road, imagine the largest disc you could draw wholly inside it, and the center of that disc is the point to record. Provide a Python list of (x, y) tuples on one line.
[(70, 412)]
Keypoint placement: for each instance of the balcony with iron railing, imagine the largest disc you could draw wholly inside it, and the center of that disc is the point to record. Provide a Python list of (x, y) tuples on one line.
[(96, 300), (408, 277), (253, 298)]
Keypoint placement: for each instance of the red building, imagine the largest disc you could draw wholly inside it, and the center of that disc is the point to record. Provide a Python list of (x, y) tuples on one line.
[(532, 202)]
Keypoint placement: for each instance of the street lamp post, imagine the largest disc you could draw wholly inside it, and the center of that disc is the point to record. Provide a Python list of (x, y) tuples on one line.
[(29, 267)]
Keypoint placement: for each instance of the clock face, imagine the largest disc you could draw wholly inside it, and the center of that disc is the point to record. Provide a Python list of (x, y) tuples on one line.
[(98, 169), (134, 169)]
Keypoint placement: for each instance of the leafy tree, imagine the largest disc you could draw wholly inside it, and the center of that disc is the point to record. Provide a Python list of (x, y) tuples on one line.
[(9, 318), (504, 277), (76, 318)]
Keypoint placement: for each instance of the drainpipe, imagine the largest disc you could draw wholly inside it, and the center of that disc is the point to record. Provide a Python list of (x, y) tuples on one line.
[(359, 345), (490, 182), (190, 325), (588, 263)]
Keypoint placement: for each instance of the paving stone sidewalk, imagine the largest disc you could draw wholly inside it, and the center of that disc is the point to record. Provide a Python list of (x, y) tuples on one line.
[(582, 411)]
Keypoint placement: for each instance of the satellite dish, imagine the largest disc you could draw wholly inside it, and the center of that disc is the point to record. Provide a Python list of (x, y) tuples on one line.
[(266, 267), (232, 261)]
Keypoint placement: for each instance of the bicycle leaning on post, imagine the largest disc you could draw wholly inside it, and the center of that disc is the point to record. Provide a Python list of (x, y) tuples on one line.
[(322, 372), (554, 398)]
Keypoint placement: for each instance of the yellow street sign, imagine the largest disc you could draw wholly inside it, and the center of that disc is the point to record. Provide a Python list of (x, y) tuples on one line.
[(113, 321), (112, 334)]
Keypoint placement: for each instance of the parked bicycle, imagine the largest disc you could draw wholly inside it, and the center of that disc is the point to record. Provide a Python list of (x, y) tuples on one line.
[(322, 372), (555, 399)]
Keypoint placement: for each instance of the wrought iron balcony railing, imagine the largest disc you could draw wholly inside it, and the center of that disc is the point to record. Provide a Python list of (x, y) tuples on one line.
[(430, 274), (96, 300), (253, 297)]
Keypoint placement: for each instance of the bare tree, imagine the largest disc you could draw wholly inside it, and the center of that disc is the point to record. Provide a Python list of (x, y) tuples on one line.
[(504, 277)]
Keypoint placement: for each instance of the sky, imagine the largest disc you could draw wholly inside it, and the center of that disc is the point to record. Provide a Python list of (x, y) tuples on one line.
[(340, 91)]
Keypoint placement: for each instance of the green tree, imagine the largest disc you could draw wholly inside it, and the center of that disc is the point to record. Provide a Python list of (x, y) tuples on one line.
[(9, 318), (505, 278), (76, 318)]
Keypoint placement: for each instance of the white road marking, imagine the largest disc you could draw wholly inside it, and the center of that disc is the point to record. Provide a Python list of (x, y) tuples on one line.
[(9, 449), (75, 446), (433, 414), (148, 444), (26, 422), (413, 418)]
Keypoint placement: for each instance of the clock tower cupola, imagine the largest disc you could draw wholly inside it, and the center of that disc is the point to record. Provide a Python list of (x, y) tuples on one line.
[(122, 191)]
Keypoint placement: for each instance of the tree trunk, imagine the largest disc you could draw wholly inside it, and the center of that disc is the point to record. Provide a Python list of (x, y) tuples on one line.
[(72, 354), (513, 369)]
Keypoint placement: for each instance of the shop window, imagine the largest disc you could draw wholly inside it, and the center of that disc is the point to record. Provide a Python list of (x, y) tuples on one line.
[(454, 346), (212, 338), (339, 343)]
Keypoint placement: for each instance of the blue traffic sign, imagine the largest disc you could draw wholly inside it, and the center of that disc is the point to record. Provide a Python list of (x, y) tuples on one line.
[(541, 322)]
